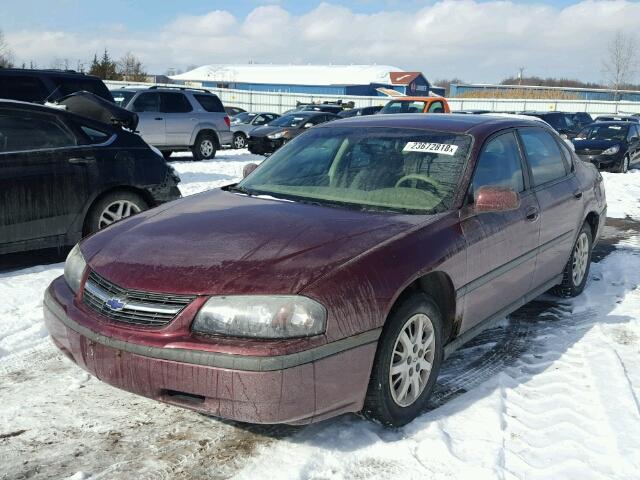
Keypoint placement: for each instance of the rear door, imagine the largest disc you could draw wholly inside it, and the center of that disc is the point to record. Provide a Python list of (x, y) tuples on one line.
[(44, 176), (633, 138), (559, 196), (180, 120), (501, 246), (151, 123)]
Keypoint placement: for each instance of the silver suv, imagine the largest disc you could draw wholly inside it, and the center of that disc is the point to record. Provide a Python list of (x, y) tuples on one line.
[(178, 119)]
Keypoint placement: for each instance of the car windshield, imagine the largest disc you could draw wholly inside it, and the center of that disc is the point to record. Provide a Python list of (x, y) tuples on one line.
[(289, 121), (122, 97), (604, 132), (243, 117), (400, 106), (389, 169)]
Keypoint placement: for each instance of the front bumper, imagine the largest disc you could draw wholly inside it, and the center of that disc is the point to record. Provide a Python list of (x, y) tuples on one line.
[(262, 145), (601, 161), (293, 389)]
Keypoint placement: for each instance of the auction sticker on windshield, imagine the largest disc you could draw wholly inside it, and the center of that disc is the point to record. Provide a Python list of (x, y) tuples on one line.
[(443, 148)]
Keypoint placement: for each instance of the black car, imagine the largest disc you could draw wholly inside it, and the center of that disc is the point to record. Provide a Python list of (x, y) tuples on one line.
[(581, 119), (267, 139), (39, 86), (233, 111), (561, 122), (611, 145), (63, 175), (358, 112), (618, 118)]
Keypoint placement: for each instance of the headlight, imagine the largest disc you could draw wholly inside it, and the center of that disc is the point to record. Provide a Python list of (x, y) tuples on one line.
[(275, 136), (612, 150), (74, 268), (278, 316)]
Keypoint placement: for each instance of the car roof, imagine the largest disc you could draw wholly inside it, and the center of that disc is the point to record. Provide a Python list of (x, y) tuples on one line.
[(414, 99), (449, 122), (622, 123)]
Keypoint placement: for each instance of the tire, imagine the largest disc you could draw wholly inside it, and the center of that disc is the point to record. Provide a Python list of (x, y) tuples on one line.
[(384, 401), (205, 146), (239, 141), (166, 154), (624, 165), (576, 272), (106, 210)]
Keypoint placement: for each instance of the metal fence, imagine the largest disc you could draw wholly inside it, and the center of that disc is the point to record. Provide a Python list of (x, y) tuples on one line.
[(280, 102)]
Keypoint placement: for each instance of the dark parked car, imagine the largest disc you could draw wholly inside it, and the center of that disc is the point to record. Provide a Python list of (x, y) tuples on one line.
[(268, 138), (618, 118), (561, 122), (359, 112), (233, 111), (63, 175), (610, 145), (338, 275), (41, 85)]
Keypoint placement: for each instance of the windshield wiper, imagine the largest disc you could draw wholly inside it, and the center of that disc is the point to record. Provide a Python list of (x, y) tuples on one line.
[(236, 188)]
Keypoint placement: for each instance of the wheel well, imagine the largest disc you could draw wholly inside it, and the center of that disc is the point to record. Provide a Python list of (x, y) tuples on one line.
[(437, 285), (212, 132), (593, 219), (146, 196)]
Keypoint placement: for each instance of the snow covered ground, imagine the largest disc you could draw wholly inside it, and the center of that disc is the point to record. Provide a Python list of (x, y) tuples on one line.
[(553, 393)]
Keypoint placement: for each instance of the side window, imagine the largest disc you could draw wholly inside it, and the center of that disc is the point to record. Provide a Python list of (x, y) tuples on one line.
[(499, 164), (259, 120), (95, 136), (210, 103), (436, 107), (566, 155), (147, 102), (22, 87), (544, 156), (174, 103), (633, 133), (22, 131)]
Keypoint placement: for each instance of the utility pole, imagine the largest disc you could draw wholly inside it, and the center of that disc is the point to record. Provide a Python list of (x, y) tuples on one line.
[(520, 74)]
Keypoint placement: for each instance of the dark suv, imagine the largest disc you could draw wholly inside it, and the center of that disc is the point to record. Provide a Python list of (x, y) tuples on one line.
[(41, 85), (562, 122), (63, 175)]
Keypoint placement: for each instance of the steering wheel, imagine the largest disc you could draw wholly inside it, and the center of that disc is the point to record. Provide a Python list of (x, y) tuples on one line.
[(431, 183)]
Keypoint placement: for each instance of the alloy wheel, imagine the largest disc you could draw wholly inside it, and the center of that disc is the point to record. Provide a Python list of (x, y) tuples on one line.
[(580, 259), (625, 164), (412, 360), (239, 141), (206, 148), (117, 211)]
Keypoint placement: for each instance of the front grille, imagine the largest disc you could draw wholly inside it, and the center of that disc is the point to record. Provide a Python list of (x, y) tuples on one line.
[(133, 307), (588, 153)]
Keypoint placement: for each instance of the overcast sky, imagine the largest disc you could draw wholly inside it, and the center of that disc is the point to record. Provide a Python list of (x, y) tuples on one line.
[(478, 41)]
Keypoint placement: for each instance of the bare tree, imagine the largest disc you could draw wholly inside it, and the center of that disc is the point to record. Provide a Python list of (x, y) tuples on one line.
[(131, 68), (5, 53), (620, 64)]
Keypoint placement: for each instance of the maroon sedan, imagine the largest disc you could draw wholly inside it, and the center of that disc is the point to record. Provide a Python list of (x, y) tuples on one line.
[(338, 275)]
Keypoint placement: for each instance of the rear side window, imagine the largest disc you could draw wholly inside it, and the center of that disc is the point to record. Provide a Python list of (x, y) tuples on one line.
[(95, 136), (147, 102), (174, 103), (499, 164), (543, 153), (22, 131), (22, 87), (210, 103)]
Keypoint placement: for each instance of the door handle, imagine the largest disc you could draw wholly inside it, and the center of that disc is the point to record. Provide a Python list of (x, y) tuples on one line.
[(532, 214), (81, 160), (577, 194), (158, 118)]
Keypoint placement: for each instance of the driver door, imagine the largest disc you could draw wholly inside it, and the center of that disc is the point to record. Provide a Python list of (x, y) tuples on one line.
[(501, 246)]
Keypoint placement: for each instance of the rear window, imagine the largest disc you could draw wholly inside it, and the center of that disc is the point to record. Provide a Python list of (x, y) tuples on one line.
[(22, 87), (210, 103), (400, 106), (122, 97)]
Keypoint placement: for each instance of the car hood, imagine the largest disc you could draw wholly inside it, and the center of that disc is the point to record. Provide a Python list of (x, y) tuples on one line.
[(225, 243), (265, 130), (595, 144)]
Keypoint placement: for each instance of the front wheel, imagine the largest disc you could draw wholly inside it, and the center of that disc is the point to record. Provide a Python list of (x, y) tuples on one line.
[(576, 272), (407, 362), (113, 207)]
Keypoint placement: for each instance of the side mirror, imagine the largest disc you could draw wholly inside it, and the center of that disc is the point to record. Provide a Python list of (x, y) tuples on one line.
[(248, 169), (496, 199), (308, 125)]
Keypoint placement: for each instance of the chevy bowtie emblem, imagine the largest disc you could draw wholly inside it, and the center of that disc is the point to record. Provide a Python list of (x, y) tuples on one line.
[(115, 303)]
